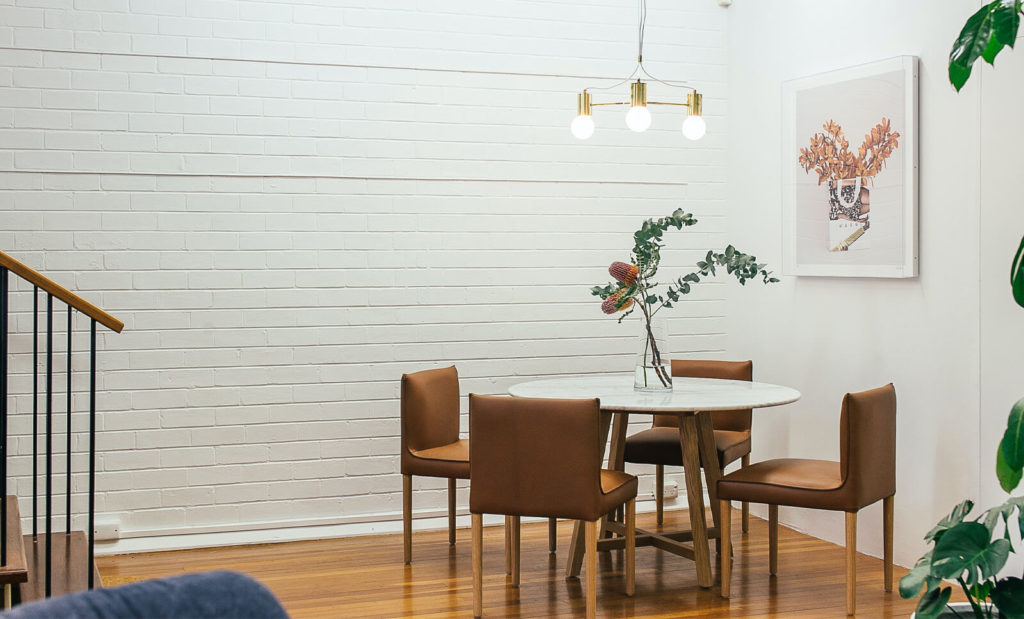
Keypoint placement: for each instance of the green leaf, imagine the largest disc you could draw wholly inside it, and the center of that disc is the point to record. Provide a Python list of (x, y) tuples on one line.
[(1009, 477), (1011, 449), (1000, 512), (981, 590), (910, 585), (933, 603), (1005, 23), (991, 28), (967, 548), (955, 517), (1017, 275), (1008, 596)]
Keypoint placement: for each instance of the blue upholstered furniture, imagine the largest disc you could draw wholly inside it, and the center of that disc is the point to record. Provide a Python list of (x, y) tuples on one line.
[(209, 595)]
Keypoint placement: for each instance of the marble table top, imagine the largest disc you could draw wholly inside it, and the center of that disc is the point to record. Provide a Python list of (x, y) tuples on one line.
[(688, 394)]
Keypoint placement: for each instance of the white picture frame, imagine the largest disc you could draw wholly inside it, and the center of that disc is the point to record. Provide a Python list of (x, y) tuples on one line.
[(865, 225)]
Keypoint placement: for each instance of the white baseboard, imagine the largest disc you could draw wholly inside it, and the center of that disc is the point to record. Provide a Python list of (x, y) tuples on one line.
[(293, 530)]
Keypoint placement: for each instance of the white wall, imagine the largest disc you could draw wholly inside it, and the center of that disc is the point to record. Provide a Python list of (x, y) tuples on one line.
[(1002, 224), (828, 336), (292, 203)]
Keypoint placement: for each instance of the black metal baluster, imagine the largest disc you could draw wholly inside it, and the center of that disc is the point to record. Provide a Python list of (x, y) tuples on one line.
[(67, 507), (35, 412), (92, 445), (49, 436), (3, 416)]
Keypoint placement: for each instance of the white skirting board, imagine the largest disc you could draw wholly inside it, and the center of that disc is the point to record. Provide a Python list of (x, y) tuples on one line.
[(297, 530)]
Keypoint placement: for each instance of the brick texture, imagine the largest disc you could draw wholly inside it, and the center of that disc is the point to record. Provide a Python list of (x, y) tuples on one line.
[(292, 203)]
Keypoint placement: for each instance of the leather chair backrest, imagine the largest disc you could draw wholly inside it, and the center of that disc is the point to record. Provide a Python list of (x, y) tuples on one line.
[(867, 445), (735, 420), (534, 457), (430, 409)]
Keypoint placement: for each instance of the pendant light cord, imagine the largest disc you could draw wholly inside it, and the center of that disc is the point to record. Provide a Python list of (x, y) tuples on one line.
[(640, 70), (640, 33)]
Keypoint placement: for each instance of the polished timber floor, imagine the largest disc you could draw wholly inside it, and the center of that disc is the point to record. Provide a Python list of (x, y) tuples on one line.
[(365, 577)]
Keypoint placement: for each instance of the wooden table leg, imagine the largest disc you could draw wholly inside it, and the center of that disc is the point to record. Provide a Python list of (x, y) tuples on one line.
[(709, 460), (617, 452), (575, 561), (616, 462), (690, 444)]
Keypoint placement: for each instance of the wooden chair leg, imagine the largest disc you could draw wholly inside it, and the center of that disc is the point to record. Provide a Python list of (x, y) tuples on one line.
[(851, 563), (407, 517), (773, 539), (630, 547), (887, 540), (451, 511), (478, 565), (659, 492), (552, 534), (508, 545), (744, 463), (590, 567), (515, 551), (726, 555)]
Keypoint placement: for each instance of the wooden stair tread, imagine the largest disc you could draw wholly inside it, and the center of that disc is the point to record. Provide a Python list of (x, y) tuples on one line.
[(69, 555), (16, 569)]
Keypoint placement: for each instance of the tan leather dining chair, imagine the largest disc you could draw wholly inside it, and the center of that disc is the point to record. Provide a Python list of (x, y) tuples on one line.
[(431, 446), (660, 444), (542, 458), (865, 474)]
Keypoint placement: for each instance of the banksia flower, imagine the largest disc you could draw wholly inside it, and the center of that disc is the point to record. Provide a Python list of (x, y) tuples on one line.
[(625, 273), (610, 304)]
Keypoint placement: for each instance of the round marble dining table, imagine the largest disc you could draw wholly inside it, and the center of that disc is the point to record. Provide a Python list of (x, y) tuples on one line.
[(692, 399)]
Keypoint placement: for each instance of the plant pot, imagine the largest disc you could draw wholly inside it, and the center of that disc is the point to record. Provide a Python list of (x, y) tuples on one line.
[(653, 368), (963, 608)]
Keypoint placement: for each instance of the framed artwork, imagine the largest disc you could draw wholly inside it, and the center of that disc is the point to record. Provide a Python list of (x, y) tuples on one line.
[(849, 171)]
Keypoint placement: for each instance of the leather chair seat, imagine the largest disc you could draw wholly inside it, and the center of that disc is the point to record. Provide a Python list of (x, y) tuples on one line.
[(660, 445), (451, 460), (787, 481), (617, 487)]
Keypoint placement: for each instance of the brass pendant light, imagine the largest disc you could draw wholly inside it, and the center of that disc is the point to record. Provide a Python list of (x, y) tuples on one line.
[(638, 118)]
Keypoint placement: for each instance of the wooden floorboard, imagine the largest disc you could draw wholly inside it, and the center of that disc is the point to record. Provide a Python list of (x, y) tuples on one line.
[(365, 577)]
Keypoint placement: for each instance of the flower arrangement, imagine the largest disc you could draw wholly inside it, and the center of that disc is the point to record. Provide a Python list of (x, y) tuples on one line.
[(634, 286), (830, 156)]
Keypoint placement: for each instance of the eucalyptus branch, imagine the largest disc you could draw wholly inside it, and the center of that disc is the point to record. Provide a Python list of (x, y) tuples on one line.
[(635, 285)]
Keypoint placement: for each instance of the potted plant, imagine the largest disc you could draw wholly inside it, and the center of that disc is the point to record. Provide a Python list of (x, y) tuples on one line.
[(635, 287), (972, 550)]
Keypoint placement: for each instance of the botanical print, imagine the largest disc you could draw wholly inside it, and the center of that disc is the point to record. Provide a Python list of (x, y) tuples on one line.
[(848, 176), (849, 171)]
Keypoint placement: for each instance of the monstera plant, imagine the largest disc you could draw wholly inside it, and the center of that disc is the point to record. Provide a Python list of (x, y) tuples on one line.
[(972, 550)]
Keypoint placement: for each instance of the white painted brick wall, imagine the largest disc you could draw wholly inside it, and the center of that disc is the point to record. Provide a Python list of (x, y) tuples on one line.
[(292, 203)]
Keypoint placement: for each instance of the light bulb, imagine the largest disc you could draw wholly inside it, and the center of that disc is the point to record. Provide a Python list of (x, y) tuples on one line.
[(582, 126), (638, 118), (694, 127)]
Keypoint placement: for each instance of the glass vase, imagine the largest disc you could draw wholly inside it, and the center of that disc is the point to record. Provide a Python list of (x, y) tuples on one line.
[(653, 368)]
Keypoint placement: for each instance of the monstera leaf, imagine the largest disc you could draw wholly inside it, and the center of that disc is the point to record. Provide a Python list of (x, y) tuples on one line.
[(933, 603), (967, 548), (1008, 596)]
